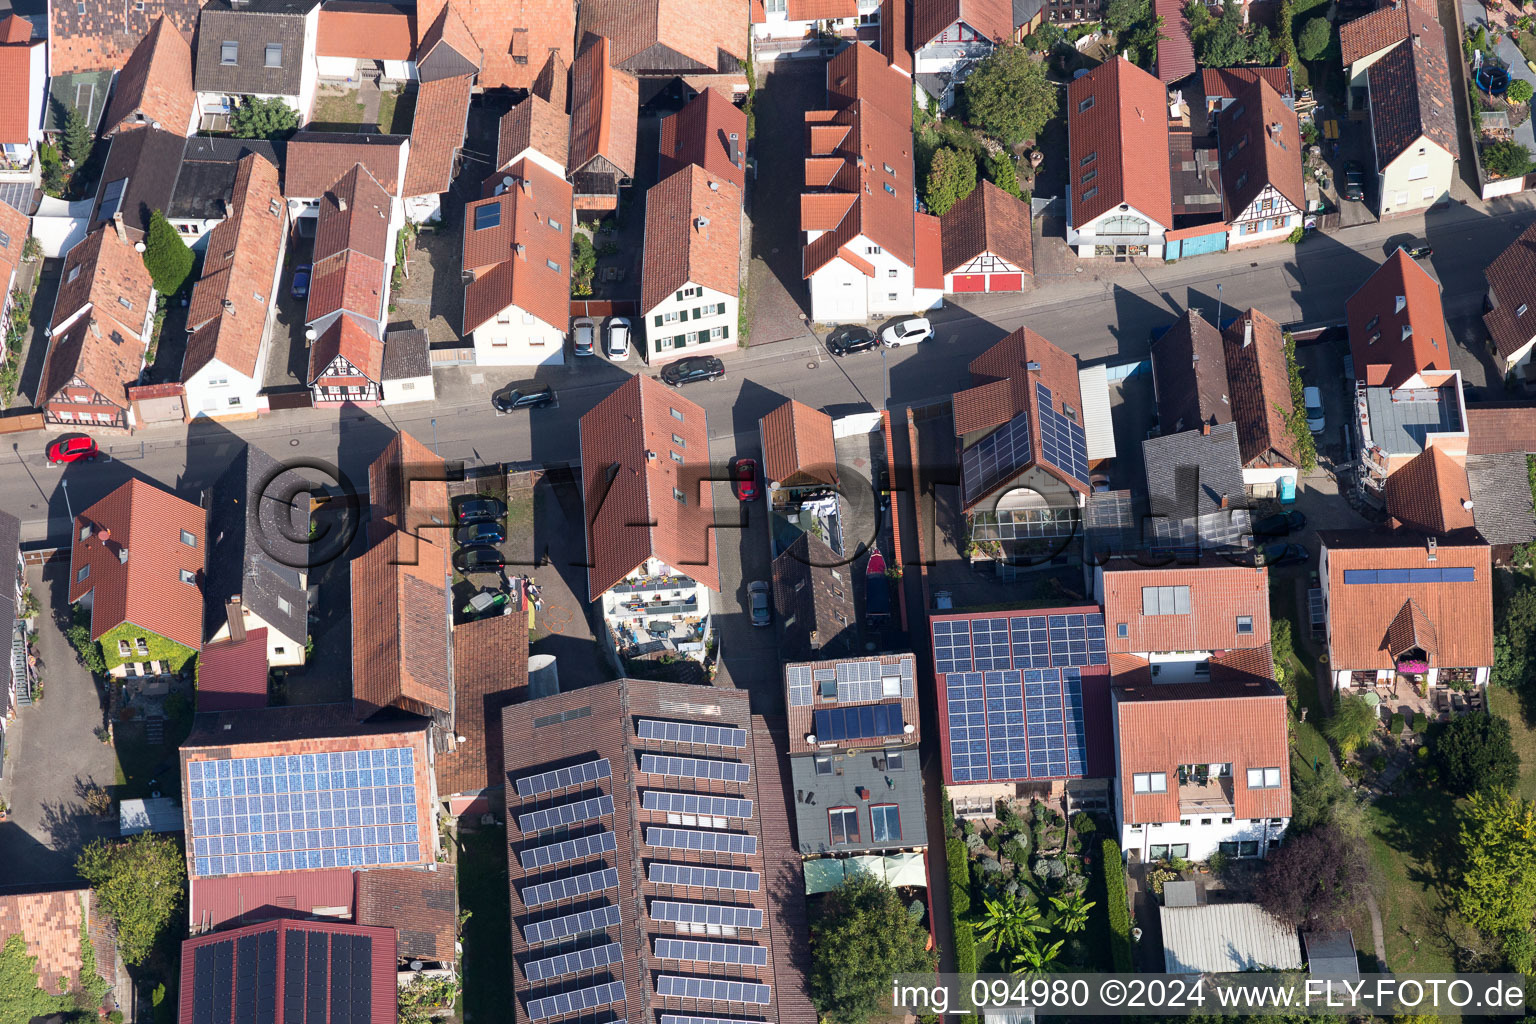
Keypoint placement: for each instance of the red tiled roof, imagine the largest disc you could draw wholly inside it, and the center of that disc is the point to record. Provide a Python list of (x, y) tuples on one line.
[(17, 109), (1260, 387), (1428, 492), (1267, 139), (1224, 82), (605, 111), (350, 340), (104, 347), (534, 124), (422, 906), (820, 10), (511, 260), (797, 445), (1410, 88), (406, 490), (992, 19), (1360, 614), (490, 671), (1162, 726), (15, 29), (1189, 373), (443, 36), (629, 480), (228, 312), (1398, 297), (354, 214), (145, 588), (1218, 593), (928, 233), (348, 281), (437, 134), (989, 221), (1493, 430), (541, 32), (1511, 281), (1175, 49), (232, 674), (1126, 126), (1373, 32), (705, 132), (368, 31), (51, 924), (893, 34), (15, 226), (824, 211), (692, 235), (315, 161), (156, 83), (683, 36), (98, 35)]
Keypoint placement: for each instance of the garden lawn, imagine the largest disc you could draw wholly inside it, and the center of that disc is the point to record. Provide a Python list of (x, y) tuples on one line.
[(397, 107), (482, 868), (143, 767), (1412, 846), (343, 108), (1284, 604), (1506, 705)]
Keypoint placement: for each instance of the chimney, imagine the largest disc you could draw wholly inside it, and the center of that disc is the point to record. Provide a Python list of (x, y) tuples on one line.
[(122, 555), (733, 150), (341, 203), (650, 456), (122, 230), (1032, 366), (527, 184), (234, 611), (1247, 333), (701, 223), (521, 250), (1432, 544)]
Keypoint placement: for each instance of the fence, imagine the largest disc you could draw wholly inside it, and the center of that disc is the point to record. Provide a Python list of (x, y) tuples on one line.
[(17, 420), (602, 308)]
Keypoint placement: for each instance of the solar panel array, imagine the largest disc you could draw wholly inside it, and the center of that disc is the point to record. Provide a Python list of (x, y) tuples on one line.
[(860, 722), (564, 778), (996, 456), (576, 1000), (1022, 641), (704, 878), (568, 888), (691, 732), (698, 839), (696, 803), (712, 952), (353, 808), (566, 850), (858, 680), (679, 987), (577, 960), (1015, 724), (674, 1018), (801, 686), (706, 913), (581, 923), (695, 768), (1063, 442), (561, 815), (1430, 574)]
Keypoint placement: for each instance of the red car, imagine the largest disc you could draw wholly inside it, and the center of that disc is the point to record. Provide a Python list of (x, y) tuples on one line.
[(744, 479), (73, 449)]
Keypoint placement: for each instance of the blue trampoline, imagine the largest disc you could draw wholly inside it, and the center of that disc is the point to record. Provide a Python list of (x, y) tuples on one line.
[(1492, 80)]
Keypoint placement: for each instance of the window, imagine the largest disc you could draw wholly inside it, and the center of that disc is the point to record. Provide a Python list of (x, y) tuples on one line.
[(1090, 193), (1090, 158), (74, 271), (890, 296), (677, 440), (843, 824), (84, 572), (1085, 105), (676, 457), (895, 761), (890, 273), (889, 189), (669, 318), (123, 649), (1418, 172), (488, 216), (677, 414), (885, 823), (1150, 782), (1165, 600), (888, 168), (1248, 848), (682, 499), (556, 224), (274, 55), (1245, 624), (1157, 851), (188, 577), (188, 539), (85, 532), (229, 52), (284, 606), (874, 250), (823, 766), (552, 265), (1090, 174), (1263, 778), (716, 333), (80, 7), (1122, 630)]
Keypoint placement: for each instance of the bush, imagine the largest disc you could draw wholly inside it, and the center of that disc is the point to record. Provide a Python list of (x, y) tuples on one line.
[(1119, 908), (1379, 763), (1354, 771), (1476, 752), (1002, 173), (166, 256), (1420, 723), (1351, 725), (269, 118), (1017, 850), (79, 636), (1313, 39), (1520, 91), (995, 840), (1083, 823), (583, 264), (1395, 725), (1507, 159), (951, 177), (959, 877)]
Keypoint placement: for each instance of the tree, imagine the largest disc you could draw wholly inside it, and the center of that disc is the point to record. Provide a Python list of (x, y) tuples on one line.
[(78, 138), (258, 118), (1002, 173), (1223, 44), (1198, 14), (1520, 91), (1507, 159), (1010, 923), (951, 177), (862, 939), (1008, 95), (1514, 639), (1476, 752), (166, 256), (1072, 912), (583, 264), (1122, 15), (1497, 893), (139, 882), (1351, 724), (1314, 38), (1315, 879)]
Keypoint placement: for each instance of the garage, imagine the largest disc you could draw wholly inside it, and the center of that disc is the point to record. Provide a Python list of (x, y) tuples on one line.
[(970, 283), (1006, 283)]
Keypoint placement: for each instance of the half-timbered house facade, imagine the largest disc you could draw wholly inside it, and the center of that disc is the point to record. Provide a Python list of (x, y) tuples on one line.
[(346, 365)]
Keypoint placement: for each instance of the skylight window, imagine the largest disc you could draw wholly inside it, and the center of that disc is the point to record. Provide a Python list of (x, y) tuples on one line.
[(229, 52), (488, 216)]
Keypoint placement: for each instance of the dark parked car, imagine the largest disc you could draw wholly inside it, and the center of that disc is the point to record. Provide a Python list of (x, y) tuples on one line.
[(1354, 180), (467, 560), (301, 281), (757, 597), (845, 341), (480, 510), (1274, 555), (528, 394), (481, 533), (1280, 524), (691, 369)]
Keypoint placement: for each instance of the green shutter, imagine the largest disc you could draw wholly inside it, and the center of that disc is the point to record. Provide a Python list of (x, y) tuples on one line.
[(727, 330), (658, 319), (703, 337)]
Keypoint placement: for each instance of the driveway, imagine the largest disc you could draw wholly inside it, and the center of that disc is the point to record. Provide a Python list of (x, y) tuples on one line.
[(777, 292), (52, 753), (288, 362)]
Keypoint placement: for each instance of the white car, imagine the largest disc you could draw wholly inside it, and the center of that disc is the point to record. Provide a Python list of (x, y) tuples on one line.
[(1312, 398), (618, 339), (906, 332), (583, 333)]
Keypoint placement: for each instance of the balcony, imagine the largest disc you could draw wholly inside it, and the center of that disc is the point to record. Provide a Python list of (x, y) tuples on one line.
[(645, 584), (1205, 796)]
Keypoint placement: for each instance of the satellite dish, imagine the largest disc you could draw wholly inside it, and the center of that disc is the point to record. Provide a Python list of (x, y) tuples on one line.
[(810, 737), (138, 246)]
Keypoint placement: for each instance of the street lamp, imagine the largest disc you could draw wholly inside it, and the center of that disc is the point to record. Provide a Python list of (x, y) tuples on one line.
[(65, 482), (434, 437), (885, 381), (1218, 305)]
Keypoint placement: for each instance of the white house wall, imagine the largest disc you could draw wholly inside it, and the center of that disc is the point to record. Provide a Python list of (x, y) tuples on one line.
[(409, 389), (309, 74), (1202, 839), (1418, 179), (1084, 237), (1256, 224), (516, 337), (841, 292), (685, 317), (282, 650)]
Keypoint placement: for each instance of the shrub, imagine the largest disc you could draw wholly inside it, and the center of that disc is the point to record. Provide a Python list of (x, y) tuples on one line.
[(1119, 908), (1507, 159), (1351, 725), (959, 877), (1379, 763), (974, 842), (583, 264), (166, 256), (269, 118), (1475, 753), (1017, 850), (951, 177), (1083, 823), (1354, 771), (1313, 39), (79, 636), (1002, 173), (1395, 725), (995, 840), (1420, 723), (1520, 91)]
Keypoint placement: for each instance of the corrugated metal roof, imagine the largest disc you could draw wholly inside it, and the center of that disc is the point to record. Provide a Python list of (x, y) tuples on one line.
[(157, 814), (1225, 937), (1093, 382)]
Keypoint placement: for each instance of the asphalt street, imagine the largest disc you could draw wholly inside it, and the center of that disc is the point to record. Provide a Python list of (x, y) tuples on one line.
[(1103, 313)]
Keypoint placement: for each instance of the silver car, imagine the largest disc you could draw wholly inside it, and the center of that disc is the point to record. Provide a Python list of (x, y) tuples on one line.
[(618, 339), (759, 604), (583, 336)]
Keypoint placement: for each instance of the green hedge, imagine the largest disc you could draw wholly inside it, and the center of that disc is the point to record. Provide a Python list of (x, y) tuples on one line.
[(1119, 907), (965, 948), (959, 877)]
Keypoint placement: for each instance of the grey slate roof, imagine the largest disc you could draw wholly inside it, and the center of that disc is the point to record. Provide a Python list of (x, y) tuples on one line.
[(258, 544), (252, 25), (1501, 498), (10, 547), (88, 89), (205, 186), (150, 160), (1188, 476), (814, 598), (816, 794), (406, 355)]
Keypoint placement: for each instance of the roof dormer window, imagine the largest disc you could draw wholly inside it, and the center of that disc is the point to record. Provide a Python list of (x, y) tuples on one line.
[(229, 52)]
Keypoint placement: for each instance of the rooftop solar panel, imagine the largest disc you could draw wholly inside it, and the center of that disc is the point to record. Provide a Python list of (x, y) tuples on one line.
[(564, 927), (706, 914), (996, 457), (675, 1018), (691, 732), (1425, 574), (544, 893), (1016, 724), (704, 877), (566, 850), (1063, 442), (696, 803), (563, 778), (720, 991), (570, 963), (695, 768), (952, 645), (712, 952), (698, 839), (576, 1000), (800, 685), (860, 722), (561, 815), (355, 808)]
